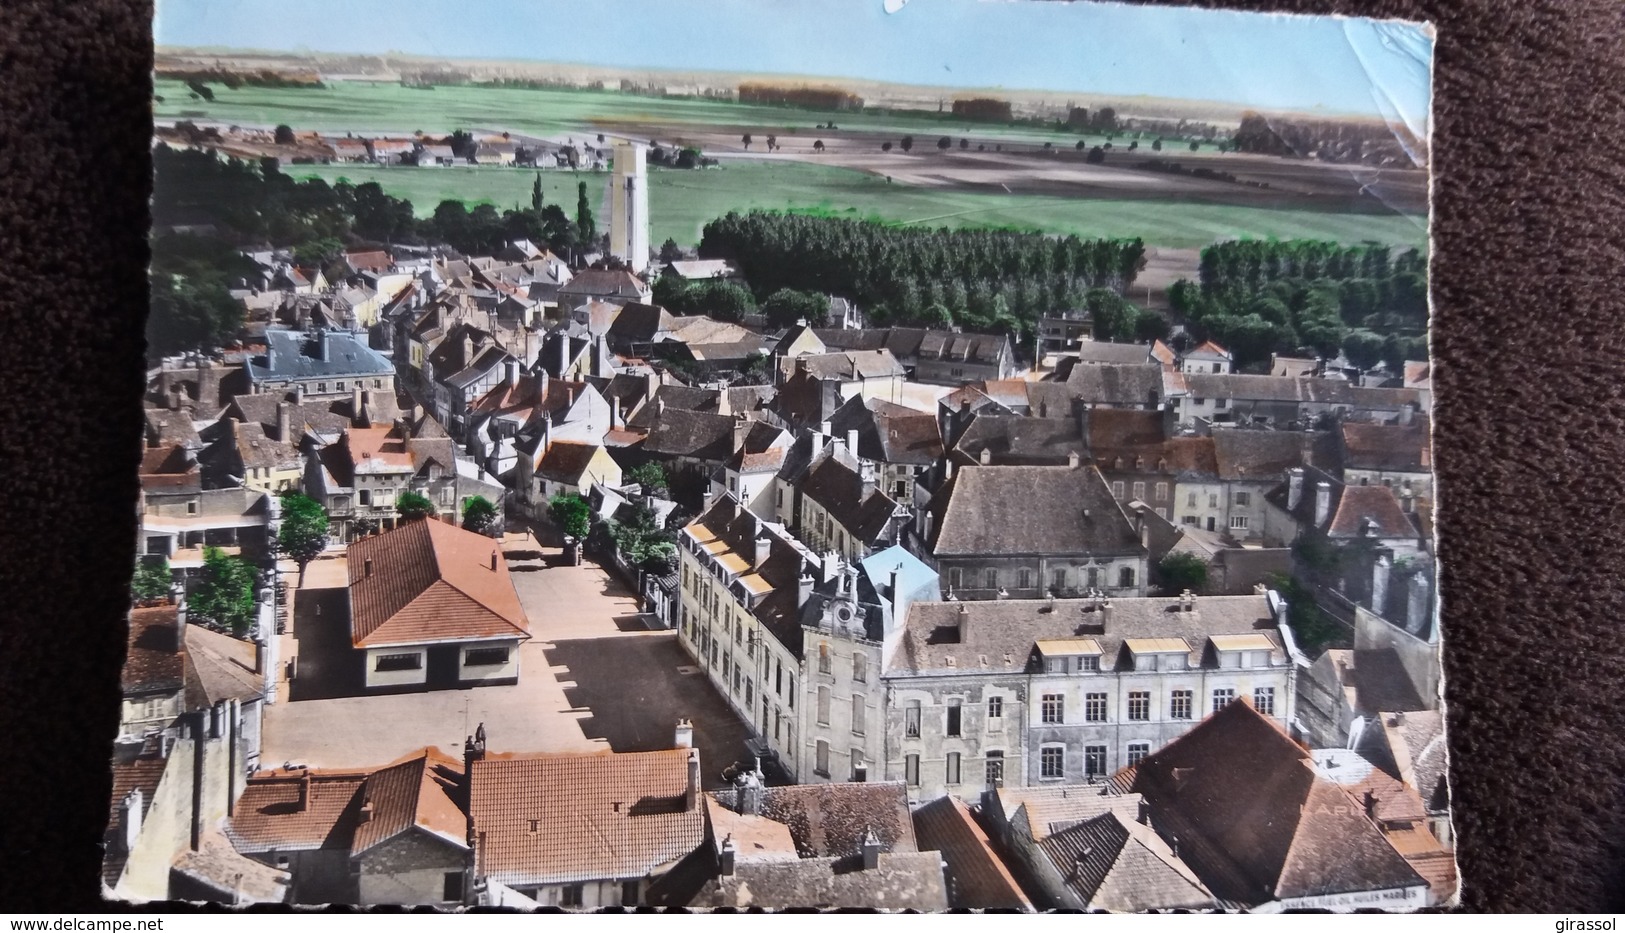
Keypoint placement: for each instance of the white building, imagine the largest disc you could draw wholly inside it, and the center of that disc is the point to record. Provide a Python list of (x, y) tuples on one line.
[(629, 206)]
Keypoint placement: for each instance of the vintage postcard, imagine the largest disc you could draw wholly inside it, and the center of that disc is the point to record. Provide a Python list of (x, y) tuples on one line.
[(717, 455)]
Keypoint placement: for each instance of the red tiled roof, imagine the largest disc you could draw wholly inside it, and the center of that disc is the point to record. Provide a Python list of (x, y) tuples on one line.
[(153, 660), (596, 816), (415, 792), (978, 876), (428, 581), (142, 774), (269, 815), (566, 461), (1376, 503)]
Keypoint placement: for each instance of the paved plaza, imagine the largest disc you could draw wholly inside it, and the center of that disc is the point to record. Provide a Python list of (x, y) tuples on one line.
[(594, 676)]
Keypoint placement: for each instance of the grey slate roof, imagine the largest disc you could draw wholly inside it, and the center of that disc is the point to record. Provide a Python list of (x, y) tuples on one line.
[(298, 355), (1113, 863), (901, 881), (1241, 388), (1029, 510), (1118, 385), (948, 636)]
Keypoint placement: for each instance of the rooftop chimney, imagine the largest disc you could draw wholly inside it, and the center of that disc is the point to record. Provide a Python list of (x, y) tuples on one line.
[(860, 773), (1416, 605), (725, 858), (1105, 612), (852, 442), (964, 624), (299, 393), (355, 399), (685, 734), (1294, 493), (1379, 583), (493, 561), (259, 657), (366, 567), (366, 812), (322, 344), (1407, 413), (284, 428), (1072, 459), (763, 545), (871, 851), (985, 457), (1145, 812), (1323, 502), (510, 372), (1370, 801), (304, 790), (826, 429), (129, 819), (691, 791), (804, 588), (615, 412), (750, 794)]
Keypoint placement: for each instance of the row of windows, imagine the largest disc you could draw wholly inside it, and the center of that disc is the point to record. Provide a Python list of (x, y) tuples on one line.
[(341, 385), (860, 663), (954, 719), (992, 769), (1052, 706), (1161, 490), (1089, 577), (1052, 759), (1241, 498)]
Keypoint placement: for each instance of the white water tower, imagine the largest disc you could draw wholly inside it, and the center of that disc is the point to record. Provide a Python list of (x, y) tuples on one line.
[(629, 206)]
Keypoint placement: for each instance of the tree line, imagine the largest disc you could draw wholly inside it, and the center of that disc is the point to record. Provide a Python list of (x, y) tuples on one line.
[(988, 280), (1261, 297)]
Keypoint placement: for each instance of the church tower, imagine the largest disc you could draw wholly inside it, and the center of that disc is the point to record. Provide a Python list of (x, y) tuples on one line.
[(629, 206)]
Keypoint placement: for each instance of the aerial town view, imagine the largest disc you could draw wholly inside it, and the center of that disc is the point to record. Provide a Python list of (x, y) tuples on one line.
[(959, 455)]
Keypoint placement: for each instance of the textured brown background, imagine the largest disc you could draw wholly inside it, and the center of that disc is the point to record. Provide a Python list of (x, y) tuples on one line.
[(1530, 437)]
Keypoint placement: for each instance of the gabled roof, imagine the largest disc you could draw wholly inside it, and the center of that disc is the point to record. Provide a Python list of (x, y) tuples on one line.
[(1260, 456), (1111, 862), (830, 820), (298, 355), (680, 433), (1017, 440), (566, 461), (1398, 447), (427, 581), (1119, 385), (152, 660), (296, 809), (218, 668), (1255, 821), (596, 816), (1242, 389), (143, 774), (914, 344), (900, 881), (1002, 633), (977, 876), (862, 509), (1373, 507), (419, 791), (1095, 351), (1029, 510), (601, 282)]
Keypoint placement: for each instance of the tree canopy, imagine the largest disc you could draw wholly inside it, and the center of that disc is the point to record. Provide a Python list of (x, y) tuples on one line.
[(302, 535), (224, 592), (480, 516), (151, 580), (786, 306), (1182, 571), (651, 476), (570, 514), (413, 506)]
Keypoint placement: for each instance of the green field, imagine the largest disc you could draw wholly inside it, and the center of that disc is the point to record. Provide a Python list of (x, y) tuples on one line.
[(362, 106), (681, 202)]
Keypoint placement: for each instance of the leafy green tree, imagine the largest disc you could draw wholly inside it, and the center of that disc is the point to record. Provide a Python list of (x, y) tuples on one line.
[(818, 145), (413, 506), (536, 194), (480, 516), (1312, 628), (885, 146), (302, 535), (586, 228), (151, 580), (964, 144), (1156, 144), (641, 540), (284, 135), (200, 89), (571, 515), (190, 314), (670, 251), (1096, 156), (945, 144), (787, 305), (1182, 571), (1195, 145), (1363, 349), (746, 140), (651, 476), (224, 592), (772, 143), (907, 143)]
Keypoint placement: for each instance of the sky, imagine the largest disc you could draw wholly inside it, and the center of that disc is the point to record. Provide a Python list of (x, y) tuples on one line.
[(1273, 62)]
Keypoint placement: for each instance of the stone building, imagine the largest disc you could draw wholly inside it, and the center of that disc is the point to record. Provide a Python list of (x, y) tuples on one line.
[(1023, 531)]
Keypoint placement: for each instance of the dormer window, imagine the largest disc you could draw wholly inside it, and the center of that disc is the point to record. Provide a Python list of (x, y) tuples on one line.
[(1070, 655), (1159, 654)]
